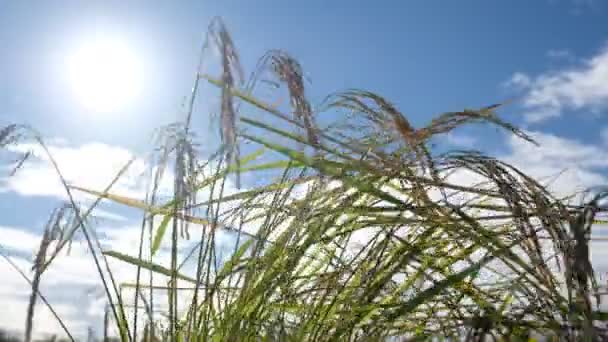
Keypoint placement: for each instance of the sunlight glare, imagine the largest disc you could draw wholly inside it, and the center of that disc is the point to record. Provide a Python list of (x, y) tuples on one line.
[(104, 75)]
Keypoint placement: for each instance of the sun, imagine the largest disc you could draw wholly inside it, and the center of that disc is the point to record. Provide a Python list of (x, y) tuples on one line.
[(104, 75)]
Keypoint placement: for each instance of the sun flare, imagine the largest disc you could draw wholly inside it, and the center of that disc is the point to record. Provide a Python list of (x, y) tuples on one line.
[(104, 74)]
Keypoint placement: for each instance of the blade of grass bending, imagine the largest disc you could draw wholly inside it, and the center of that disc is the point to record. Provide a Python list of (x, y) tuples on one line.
[(271, 110), (164, 209), (256, 191), (329, 168), (147, 265), (157, 210), (250, 99)]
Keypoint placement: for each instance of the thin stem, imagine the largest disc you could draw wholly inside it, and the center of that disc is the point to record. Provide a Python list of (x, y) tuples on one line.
[(42, 297)]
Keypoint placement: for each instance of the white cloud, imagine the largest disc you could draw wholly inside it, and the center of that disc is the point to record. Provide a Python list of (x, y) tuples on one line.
[(519, 80), (557, 151), (72, 284), (45, 322), (14, 292), (567, 164), (12, 284), (19, 240), (577, 88), (92, 165)]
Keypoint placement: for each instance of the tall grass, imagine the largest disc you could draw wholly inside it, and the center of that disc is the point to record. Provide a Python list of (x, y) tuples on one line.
[(356, 231)]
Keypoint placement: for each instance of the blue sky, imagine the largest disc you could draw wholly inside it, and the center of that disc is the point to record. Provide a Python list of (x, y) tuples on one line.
[(427, 57)]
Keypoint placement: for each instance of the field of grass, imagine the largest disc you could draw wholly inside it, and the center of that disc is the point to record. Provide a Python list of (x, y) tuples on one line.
[(356, 230)]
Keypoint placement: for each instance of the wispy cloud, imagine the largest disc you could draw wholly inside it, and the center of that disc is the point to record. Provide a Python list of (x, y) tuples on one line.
[(91, 165), (560, 54), (582, 87), (579, 7), (567, 164)]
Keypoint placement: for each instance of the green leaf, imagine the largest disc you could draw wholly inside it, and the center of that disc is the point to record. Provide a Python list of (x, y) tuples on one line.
[(229, 265), (148, 265), (160, 233), (272, 165), (130, 202)]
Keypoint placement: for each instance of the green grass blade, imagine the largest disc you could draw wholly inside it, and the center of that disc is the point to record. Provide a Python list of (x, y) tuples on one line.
[(160, 233), (148, 265)]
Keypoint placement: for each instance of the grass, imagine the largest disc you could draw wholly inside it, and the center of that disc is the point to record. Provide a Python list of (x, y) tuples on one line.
[(358, 232)]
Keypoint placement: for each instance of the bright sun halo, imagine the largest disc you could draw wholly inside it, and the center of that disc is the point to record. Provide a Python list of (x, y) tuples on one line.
[(104, 75)]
